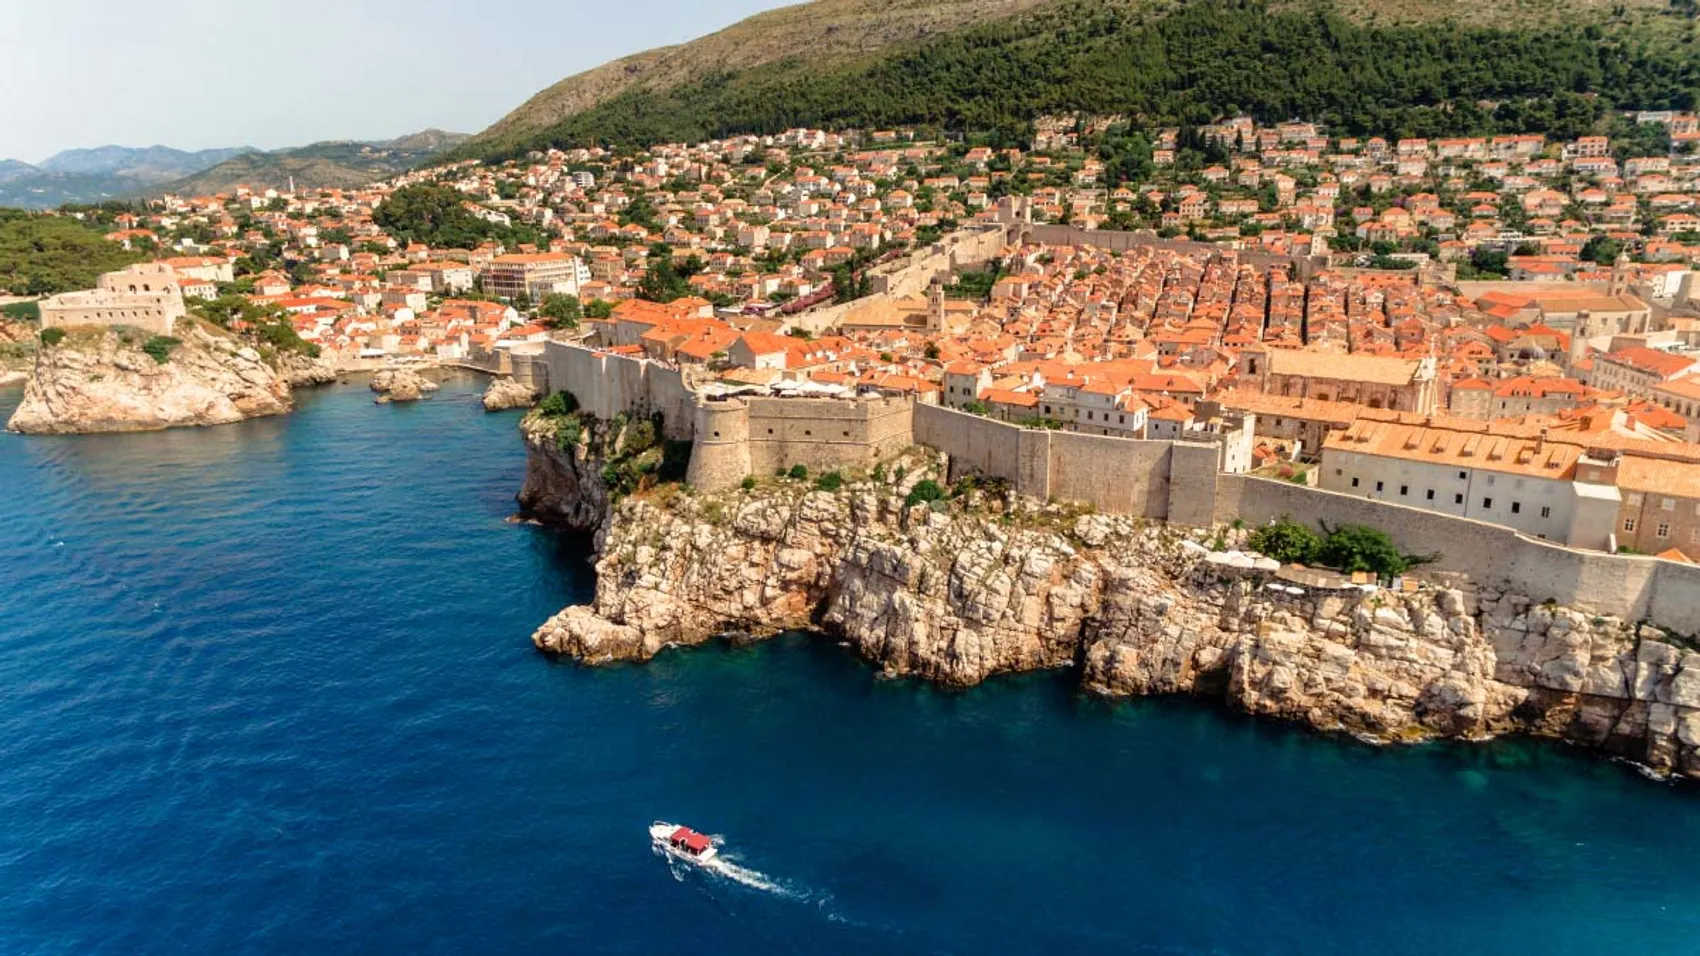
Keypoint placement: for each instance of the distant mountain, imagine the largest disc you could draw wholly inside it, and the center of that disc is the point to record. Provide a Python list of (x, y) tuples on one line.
[(150, 163), (102, 173), (43, 190), (338, 164), (12, 169), (105, 173)]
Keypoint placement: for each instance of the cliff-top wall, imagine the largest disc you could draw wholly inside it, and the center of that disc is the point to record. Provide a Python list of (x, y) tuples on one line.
[(1174, 481)]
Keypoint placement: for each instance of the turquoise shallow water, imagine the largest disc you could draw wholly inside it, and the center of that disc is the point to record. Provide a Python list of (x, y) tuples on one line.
[(268, 688)]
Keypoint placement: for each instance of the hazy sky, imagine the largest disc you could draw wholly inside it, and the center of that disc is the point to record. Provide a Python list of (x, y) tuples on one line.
[(196, 74)]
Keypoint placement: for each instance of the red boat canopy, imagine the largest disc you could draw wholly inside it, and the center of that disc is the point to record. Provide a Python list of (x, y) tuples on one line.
[(690, 840)]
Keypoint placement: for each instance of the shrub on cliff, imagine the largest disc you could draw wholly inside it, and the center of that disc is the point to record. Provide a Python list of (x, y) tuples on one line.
[(1347, 548), (1288, 542), (52, 337), (799, 472), (640, 437), (159, 347), (831, 481), (558, 405), (925, 490), (567, 433)]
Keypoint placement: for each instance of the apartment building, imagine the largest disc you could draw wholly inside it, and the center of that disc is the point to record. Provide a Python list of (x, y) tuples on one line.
[(534, 275)]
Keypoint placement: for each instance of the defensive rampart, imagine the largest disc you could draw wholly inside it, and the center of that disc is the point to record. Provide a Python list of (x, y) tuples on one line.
[(1119, 475), (607, 385), (966, 249), (1630, 586), (1175, 481), (741, 436), (1114, 241)]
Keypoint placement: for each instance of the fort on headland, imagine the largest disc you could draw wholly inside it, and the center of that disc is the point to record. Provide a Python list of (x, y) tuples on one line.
[(148, 297)]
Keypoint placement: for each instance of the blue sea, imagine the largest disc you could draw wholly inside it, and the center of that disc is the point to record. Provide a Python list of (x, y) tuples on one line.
[(268, 688)]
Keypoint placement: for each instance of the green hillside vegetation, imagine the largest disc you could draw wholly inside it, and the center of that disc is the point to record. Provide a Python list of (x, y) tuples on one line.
[(1187, 64), (45, 255), (821, 33), (437, 216)]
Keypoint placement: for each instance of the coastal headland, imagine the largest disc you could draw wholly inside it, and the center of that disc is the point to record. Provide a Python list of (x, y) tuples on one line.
[(931, 569)]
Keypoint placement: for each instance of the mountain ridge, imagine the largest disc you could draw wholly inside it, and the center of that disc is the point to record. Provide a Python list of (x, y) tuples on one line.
[(779, 60), (340, 164)]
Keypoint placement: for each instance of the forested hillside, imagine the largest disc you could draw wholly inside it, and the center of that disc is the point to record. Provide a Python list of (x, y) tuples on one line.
[(43, 255), (1185, 63)]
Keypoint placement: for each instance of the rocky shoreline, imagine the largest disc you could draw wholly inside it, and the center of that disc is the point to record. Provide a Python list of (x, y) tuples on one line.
[(961, 590), (101, 380)]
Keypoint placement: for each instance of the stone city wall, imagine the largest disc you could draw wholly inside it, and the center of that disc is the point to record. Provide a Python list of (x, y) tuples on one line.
[(1117, 475), (1175, 481), (1630, 586), (741, 436), (1114, 241), (607, 385), (970, 248)]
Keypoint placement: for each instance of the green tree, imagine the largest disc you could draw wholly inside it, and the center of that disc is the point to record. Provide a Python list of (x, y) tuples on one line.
[(1601, 249), (1287, 541), (561, 311), (1356, 547), (432, 214)]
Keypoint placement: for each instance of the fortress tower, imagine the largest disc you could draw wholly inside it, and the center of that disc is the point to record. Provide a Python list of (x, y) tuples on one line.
[(720, 459)]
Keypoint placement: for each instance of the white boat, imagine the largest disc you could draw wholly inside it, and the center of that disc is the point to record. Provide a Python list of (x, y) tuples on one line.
[(682, 843)]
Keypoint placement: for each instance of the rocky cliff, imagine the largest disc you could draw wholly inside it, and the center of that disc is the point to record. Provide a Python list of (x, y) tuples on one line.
[(958, 591), (97, 380), (563, 482)]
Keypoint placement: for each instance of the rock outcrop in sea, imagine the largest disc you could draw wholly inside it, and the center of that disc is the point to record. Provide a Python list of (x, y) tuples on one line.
[(505, 393), (101, 380), (959, 590), (401, 385)]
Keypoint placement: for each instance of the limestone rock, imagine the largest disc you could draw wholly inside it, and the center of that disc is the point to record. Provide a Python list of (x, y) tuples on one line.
[(505, 393), (401, 385), (962, 593), (302, 371), (99, 380)]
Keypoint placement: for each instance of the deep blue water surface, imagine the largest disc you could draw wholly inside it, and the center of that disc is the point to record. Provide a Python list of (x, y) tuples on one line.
[(268, 688)]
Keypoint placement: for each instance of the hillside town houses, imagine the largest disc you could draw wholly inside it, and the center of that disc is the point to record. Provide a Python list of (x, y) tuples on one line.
[(1496, 327)]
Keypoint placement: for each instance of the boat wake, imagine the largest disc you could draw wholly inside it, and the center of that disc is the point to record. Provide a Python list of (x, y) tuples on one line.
[(754, 879)]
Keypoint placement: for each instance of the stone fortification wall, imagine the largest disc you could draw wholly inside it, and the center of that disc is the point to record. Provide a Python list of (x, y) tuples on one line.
[(968, 249), (979, 446), (1123, 241), (1153, 479), (608, 385), (1174, 481), (1118, 475), (1630, 586), (529, 368), (736, 437)]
